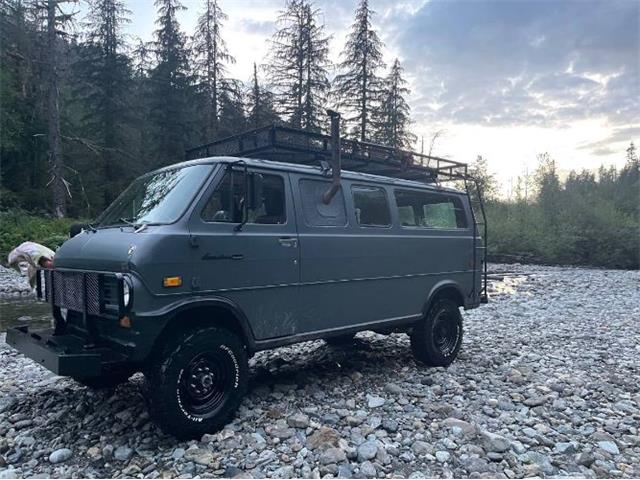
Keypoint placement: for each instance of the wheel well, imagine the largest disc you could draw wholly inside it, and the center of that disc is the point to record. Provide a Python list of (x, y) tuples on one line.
[(449, 292), (200, 317)]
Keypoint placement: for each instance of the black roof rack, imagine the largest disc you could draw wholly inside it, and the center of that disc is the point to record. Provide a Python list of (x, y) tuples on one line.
[(285, 144)]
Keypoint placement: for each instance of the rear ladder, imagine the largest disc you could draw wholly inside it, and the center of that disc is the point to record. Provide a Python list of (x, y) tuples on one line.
[(476, 204)]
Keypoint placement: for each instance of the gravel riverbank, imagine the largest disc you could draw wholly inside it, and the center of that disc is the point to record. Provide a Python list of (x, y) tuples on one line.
[(547, 384), (13, 284)]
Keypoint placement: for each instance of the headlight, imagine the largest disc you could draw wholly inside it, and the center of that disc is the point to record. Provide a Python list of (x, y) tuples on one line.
[(126, 292)]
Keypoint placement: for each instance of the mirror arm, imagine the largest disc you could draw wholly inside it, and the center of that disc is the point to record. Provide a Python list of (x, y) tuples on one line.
[(245, 207), (336, 161)]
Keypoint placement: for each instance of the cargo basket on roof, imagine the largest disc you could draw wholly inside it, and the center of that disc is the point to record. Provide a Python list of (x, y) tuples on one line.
[(291, 145)]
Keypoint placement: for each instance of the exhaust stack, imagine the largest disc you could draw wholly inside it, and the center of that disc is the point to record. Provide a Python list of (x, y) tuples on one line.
[(336, 161)]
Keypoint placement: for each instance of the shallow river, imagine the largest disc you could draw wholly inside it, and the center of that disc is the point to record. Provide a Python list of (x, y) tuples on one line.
[(24, 311)]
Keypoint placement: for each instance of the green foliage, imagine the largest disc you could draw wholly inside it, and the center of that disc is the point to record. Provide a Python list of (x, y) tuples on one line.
[(299, 65), (17, 226), (171, 86), (358, 85), (393, 119), (588, 220)]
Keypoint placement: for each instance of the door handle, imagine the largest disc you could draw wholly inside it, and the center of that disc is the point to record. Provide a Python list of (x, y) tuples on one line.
[(211, 256), (288, 241)]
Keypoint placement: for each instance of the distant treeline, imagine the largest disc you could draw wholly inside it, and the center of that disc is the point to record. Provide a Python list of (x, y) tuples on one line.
[(85, 109), (589, 219)]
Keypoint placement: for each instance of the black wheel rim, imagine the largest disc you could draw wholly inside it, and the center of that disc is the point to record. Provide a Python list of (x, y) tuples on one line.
[(446, 333), (206, 382)]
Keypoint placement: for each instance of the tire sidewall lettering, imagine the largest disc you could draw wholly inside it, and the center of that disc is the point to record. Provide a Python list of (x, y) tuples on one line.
[(236, 364), (236, 383), (193, 418)]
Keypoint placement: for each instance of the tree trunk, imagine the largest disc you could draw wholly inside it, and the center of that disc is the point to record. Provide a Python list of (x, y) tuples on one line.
[(55, 146), (363, 120)]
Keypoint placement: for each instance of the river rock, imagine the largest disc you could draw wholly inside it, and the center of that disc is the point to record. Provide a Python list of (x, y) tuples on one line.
[(374, 401), (492, 442), (332, 455), (609, 447), (367, 451), (60, 455), (298, 420)]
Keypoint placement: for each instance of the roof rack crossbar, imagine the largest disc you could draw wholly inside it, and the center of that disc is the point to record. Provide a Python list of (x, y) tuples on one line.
[(277, 142)]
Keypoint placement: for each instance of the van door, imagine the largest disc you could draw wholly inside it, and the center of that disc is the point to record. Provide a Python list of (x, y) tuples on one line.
[(256, 266), (348, 275)]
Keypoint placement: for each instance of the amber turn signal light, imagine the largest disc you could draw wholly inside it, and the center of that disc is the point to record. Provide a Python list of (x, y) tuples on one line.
[(172, 281)]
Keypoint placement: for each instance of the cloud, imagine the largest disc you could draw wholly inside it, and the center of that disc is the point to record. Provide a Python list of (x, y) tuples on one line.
[(257, 27), (621, 135), (505, 63)]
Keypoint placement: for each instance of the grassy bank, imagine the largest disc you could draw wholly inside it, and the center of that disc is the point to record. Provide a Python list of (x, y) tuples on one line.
[(17, 226)]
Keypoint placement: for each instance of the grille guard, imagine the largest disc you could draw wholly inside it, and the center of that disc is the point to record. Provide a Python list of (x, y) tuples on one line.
[(82, 291)]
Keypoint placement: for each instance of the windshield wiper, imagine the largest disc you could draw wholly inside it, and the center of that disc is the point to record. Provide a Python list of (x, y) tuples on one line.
[(129, 222), (139, 227)]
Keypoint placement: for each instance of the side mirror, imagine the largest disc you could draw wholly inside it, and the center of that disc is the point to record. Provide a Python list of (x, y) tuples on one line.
[(76, 228), (254, 195)]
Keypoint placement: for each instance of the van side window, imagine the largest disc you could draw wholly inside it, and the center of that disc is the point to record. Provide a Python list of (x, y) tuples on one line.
[(316, 212), (430, 210), (372, 207), (227, 208)]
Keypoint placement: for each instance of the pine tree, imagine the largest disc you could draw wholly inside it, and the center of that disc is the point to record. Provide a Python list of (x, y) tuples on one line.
[(55, 19), (298, 66), (211, 57), (486, 181), (170, 86), (141, 59), (20, 119), (358, 87), (393, 118), (232, 116), (260, 106), (105, 72)]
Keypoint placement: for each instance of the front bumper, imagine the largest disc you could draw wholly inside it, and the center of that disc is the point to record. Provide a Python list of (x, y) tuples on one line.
[(67, 355)]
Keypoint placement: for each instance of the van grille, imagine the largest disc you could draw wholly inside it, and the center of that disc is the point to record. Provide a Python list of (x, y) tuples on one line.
[(75, 291), (69, 291)]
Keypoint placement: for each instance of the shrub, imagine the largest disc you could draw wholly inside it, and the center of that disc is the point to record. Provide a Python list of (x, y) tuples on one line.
[(17, 226)]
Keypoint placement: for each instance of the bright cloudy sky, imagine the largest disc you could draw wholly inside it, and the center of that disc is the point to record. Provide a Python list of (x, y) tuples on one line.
[(504, 79)]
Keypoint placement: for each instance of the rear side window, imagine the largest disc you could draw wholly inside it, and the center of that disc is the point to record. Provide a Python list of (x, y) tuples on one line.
[(430, 210), (371, 205), (226, 206), (316, 212)]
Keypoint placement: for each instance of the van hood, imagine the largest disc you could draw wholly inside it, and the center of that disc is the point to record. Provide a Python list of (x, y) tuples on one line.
[(108, 249)]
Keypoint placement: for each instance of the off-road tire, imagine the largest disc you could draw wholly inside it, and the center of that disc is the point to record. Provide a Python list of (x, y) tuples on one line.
[(426, 336), (167, 385), (340, 340), (105, 381)]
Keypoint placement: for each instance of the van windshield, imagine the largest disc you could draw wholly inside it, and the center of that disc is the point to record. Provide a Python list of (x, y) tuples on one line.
[(156, 198)]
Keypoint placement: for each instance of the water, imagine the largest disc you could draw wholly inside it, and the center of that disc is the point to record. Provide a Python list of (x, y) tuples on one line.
[(16, 311)]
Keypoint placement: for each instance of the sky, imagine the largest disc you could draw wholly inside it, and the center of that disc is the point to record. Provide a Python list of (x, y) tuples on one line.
[(507, 79)]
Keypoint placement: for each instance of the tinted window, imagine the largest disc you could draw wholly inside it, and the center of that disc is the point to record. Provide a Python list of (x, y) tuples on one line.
[(225, 206), (430, 210), (315, 211), (372, 208)]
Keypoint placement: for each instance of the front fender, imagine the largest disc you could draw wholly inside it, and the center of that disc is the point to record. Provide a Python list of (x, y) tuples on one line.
[(163, 316)]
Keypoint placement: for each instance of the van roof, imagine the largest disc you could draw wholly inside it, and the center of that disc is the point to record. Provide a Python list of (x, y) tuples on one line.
[(312, 170)]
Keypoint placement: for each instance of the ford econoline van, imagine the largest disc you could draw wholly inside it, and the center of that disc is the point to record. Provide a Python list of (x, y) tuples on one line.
[(198, 265)]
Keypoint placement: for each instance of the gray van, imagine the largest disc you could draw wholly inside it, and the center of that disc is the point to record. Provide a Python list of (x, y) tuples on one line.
[(199, 265)]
